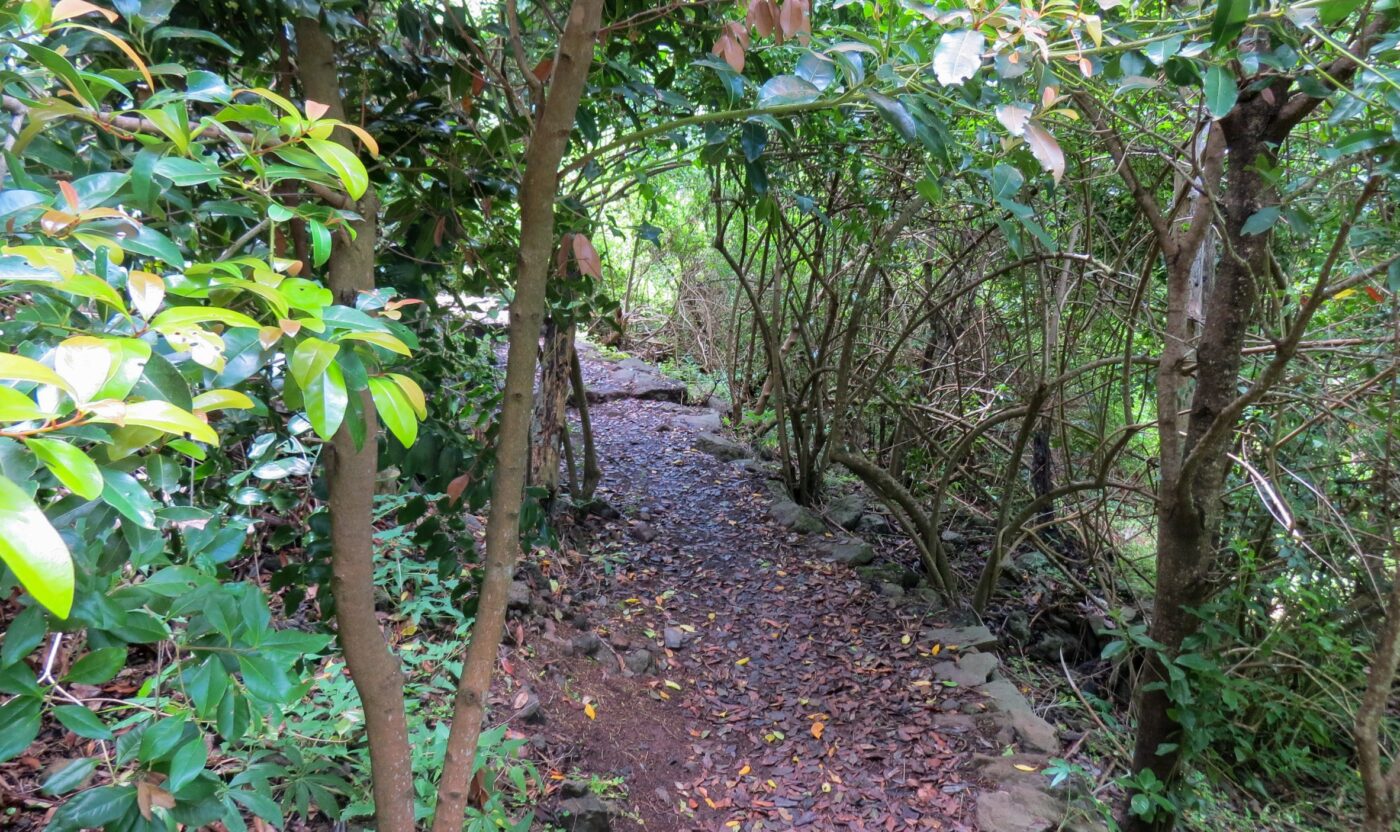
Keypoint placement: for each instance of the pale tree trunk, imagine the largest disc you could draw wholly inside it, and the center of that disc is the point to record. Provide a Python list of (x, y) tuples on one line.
[(350, 476), (1381, 782), (551, 429), (538, 189)]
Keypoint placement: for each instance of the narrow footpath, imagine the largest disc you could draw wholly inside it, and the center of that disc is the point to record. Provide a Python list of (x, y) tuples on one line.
[(702, 666)]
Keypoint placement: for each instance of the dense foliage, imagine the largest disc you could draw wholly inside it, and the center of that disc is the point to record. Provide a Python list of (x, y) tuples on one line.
[(1114, 285)]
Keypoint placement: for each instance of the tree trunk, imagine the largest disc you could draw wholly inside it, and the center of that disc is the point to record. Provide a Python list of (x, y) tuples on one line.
[(591, 472), (538, 189), (550, 424), (1190, 498), (350, 476)]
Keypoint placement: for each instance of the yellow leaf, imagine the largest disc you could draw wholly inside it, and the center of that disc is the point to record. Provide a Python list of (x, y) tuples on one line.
[(935, 650), (906, 639), (147, 291), (817, 729), (745, 770), (65, 9), (743, 661), (120, 44), (1023, 767), (589, 711)]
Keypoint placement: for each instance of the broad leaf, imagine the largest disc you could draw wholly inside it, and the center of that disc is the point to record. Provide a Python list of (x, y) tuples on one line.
[(395, 409), (344, 163), (74, 469), (1221, 91), (32, 549), (786, 89), (958, 56)]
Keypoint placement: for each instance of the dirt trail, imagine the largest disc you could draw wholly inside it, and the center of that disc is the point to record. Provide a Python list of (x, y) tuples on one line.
[(800, 697)]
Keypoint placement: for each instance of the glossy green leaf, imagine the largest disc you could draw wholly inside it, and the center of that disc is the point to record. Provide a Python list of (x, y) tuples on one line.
[(94, 809), (787, 89), (379, 339), (68, 776), (74, 468), (97, 667), (24, 633), (19, 725), (310, 359), (125, 493), (19, 368), (186, 764), (83, 722), (394, 409), (326, 399), (1221, 92), (344, 163), (32, 549), (17, 407)]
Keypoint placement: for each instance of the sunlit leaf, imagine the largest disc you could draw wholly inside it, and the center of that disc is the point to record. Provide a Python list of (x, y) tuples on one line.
[(32, 549)]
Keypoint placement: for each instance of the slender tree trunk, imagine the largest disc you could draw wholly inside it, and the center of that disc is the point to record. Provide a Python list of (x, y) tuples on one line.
[(591, 472), (538, 189), (550, 424), (350, 477)]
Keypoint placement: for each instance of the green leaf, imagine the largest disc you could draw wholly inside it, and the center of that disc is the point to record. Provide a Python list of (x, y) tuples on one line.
[(1221, 91), (958, 56), (379, 339), (32, 549), (344, 162), (17, 407), (125, 493), (786, 89), (187, 763), (306, 295), (320, 243), (310, 359), (83, 722), (69, 777), (97, 667), (19, 368), (395, 409), (1392, 277), (1140, 805), (261, 805), (171, 419), (1260, 221), (19, 725), (58, 65), (23, 634), (183, 317), (896, 114), (326, 399), (1228, 22), (264, 679), (161, 738), (94, 809), (74, 469)]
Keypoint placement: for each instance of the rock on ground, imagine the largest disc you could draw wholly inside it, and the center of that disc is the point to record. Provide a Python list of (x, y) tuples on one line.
[(964, 638), (845, 511), (792, 516), (584, 813), (721, 447), (1031, 731), (851, 552), (970, 669)]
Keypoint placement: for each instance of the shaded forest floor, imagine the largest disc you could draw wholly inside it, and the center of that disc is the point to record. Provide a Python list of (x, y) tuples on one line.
[(707, 668)]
